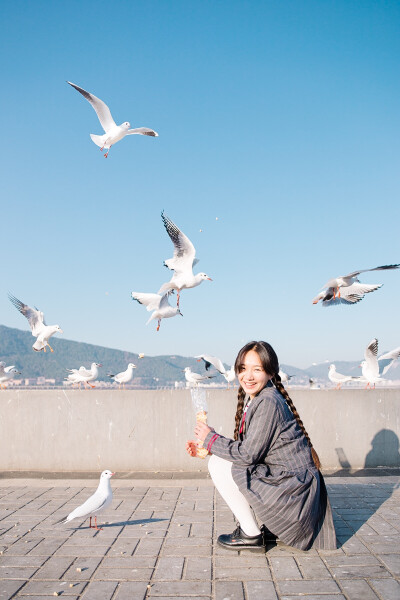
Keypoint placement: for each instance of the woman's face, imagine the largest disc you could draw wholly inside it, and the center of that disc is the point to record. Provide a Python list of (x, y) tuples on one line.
[(252, 376)]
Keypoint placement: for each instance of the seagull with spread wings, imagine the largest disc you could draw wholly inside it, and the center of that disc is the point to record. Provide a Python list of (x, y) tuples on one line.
[(195, 378), (182, 262), (7, 373), (373, 368), (158, 304), (113, 132), (228, 374), (348, 289), (40, 330)]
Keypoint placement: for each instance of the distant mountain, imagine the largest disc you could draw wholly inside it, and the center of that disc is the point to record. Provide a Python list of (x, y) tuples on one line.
[(152, 371)]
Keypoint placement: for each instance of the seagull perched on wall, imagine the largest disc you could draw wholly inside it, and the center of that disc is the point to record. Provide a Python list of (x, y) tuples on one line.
[(182, 262), (7, 373), (125, 376), (338, 378), (94, 505), (40, 330), (158, 304), (335, 291), (195, 378), (83, 375), (374, 368), (113, 132)]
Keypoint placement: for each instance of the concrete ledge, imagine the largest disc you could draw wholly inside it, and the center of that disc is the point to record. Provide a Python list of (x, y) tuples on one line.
[(69, 431)]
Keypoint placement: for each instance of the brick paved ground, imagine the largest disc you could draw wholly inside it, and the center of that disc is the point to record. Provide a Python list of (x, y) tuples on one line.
[(159, 542)]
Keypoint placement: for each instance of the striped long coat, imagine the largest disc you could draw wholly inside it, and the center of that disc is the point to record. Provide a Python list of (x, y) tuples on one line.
[(273, 468)]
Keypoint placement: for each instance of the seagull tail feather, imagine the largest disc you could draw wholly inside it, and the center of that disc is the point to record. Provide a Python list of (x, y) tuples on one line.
[(97, 139)]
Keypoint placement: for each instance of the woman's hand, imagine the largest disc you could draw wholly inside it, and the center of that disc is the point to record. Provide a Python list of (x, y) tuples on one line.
[(202, 430), (191, 448)]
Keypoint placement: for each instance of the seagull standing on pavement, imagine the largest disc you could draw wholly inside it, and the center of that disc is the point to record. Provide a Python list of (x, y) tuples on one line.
[(158, 304), (124, 377), (195, 378), (40, 330), (94, 505), (347, 289), (374, 368), (182, 262), (338, 378), (113, 132)]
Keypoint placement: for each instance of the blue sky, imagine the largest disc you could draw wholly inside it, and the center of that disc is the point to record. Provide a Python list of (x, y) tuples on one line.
[(278, 137)]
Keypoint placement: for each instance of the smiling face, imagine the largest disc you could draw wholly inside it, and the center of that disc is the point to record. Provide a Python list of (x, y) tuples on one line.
[(251, 374)]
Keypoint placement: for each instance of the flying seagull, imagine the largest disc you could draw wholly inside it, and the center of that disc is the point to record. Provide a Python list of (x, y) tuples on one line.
[(182, 262), (347, 289), (158, 304), (40, 330), (374, 368), (228, 374), (98, 502), (113, 132)]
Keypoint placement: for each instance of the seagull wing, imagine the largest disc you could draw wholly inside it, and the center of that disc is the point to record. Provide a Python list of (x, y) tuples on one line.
[(150, 301), (386, 360), (360, 289), (382, 268), (143, 131), (214, 361), (370, 355), (350, 299), (35, 317), (102, 110), (164, 301), (184, 251)]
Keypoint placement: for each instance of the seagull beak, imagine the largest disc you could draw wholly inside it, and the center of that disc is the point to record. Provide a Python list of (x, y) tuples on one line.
[(61, 331), (100, 365), (112, 474), (209, 278)]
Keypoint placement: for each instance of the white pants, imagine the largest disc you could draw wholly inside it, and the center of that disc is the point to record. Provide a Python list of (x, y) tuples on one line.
[(221, 474)]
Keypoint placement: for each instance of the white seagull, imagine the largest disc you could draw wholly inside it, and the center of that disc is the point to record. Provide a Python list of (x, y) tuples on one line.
[(335, 291), (195, 378), (40, 330), (228, 374), (113, 132), (125, 376), (7, 373), (98, 502), (182, 262), (338, 378), (285, 378), (83, 375), (374, 368), (158, 304)]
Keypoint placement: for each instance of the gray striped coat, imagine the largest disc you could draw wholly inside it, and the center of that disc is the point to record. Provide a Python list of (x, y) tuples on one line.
[(273, 468)]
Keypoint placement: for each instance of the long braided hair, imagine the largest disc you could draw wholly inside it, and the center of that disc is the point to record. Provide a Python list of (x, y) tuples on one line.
[(270, 364)]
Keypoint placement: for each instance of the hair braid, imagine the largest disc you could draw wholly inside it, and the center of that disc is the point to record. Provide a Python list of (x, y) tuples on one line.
[(276, 380), (239, 411)]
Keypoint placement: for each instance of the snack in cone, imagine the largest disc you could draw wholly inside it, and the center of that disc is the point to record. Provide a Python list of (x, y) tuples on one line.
[(200, 406), (201, 416)]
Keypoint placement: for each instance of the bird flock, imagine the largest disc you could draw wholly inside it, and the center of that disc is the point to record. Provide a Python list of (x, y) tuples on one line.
[(346, 289)]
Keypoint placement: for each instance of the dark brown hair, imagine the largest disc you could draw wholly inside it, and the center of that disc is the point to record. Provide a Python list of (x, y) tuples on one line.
[(270, 363)]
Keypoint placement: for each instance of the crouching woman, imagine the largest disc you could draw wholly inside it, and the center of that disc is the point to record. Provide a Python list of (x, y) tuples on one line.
[(270, 469)]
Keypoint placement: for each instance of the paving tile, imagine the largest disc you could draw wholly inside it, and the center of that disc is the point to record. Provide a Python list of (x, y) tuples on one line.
[(229, 590), (305, 587), (260, 590), (169, 568), (36, 588), (243, 573), (184, 588), (9, 587), (99, 590), (132, 590), (285, 567), (198, 567), (359, 572), (391, 562), (129, 562), (123, 574), (8, 560), (54, 568), (389, 589), (82, 569), (313, 567), (357, 589)]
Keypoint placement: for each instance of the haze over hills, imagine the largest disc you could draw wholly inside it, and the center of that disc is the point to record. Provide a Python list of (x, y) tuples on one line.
[(152, 371)]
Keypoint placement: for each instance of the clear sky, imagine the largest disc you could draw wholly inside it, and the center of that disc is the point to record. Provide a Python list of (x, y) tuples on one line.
[(278, 138)]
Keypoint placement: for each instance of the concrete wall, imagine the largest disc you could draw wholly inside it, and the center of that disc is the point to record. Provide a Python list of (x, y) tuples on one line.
[(72, 430)]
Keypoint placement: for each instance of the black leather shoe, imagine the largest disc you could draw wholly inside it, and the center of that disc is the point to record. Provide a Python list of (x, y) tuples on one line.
[(238, 540)]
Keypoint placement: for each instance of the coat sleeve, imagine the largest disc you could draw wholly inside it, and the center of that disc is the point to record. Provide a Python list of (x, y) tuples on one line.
[(262, 430)]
